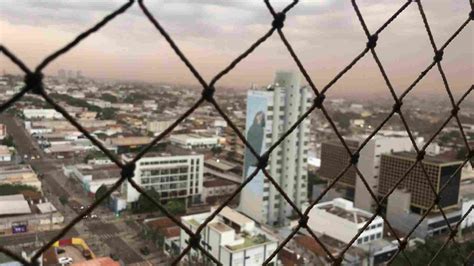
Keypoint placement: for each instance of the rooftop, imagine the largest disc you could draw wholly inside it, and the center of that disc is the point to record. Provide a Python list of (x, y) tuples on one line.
[(345, 209), (220, 164), (438, 159), (14, 205)]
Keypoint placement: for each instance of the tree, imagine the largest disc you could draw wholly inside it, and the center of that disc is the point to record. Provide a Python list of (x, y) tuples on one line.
[(143, 204), (109, 97), (11, 189), (176, 206), (63, 199), (101, 191), (423, 253), (107, 113), (8, 141)]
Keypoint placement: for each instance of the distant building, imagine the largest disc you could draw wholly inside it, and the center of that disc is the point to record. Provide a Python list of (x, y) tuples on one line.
[(217, 190), (270, 113), (42, 113), (158, 126), (21, 174), (17, 215), (414, 196), (92, 177), (5, 154), (172, 176), (194, 141), (232, 238), (3, 131), (167, 229), (439, 169), (340, 220), (128, 144), (334, 158)]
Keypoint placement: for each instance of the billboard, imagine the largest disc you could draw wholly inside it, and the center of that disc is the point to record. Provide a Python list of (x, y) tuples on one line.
[(19, 227), (255, 130)]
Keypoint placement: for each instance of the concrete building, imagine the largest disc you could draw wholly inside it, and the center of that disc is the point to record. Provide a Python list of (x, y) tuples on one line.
[(232, 238), (5, 154), (92, 177), (128, 144), (194, 141), (42, 113), (467, 201), (439, 169), (159, 126), (334, 158), (270, 113), (222, 169), (217, 190), (17, 215), (340, 220), (3, 131), (173, 176), (21, 174), (403, 216)]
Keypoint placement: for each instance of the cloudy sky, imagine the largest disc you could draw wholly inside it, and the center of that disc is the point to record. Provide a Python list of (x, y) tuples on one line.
[(325, 34)]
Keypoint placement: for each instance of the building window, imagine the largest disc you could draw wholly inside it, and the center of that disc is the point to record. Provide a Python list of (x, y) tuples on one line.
[(372, 237), (379, 235), (359, 241), (366, 239)]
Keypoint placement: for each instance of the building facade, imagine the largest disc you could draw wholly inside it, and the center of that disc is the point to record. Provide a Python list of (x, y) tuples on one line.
[(340, 220), (270, 113), (172, 176), (230, 237)]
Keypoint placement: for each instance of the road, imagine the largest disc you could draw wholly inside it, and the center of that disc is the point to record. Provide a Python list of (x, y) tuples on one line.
[(28, 238), (123, 250)]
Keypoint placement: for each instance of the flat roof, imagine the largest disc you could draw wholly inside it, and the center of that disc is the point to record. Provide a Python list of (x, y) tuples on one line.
[(46, 207), (438, 159), (14, 205), (221, 227), (235, 216), (220, 164)]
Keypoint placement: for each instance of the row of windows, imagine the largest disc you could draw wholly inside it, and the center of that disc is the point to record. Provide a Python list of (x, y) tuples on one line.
[(164, 179), (164, 162), (166, 171), (369, 238)]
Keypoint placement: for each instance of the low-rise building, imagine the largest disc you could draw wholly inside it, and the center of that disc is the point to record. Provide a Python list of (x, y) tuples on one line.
[(231, 237), (158, 126), (339, 219), (195, 141), (21, 174), (168, 231), (3, 131), (222, 169), (5, 154), (128, 144), (41, 113), (91, 177), (217, 190), (17, 215)]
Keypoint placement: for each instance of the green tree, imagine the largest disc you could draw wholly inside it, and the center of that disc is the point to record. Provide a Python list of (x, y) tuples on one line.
[(423, 253), (109, 97), (8, 141), (143, 204), (101, 191), (107, 113), (63, 199), (176, 206), (11, 189)]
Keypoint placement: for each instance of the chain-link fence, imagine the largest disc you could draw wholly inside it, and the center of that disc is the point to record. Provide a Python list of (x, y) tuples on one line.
[(34, 84)]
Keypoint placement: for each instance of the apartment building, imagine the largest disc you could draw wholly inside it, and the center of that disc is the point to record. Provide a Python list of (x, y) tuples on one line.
[(270, 113), (173, 176), (231, 237)]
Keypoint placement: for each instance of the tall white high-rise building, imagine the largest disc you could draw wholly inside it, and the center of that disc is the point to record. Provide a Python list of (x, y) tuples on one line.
[(270, 113)]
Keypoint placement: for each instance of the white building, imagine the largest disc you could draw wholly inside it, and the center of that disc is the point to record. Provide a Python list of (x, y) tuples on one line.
[(172, 176), (42, 113), (232, 238), (92, 177), (369, 163), (270, 113), (21, 174), (340, 220), (158, 126), (3, 131), (5, 154), (194, 141)]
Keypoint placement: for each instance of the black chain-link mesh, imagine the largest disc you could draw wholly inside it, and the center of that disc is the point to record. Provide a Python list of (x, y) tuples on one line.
[(34, 84)]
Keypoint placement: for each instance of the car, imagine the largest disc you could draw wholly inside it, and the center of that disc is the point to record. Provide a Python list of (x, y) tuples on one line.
[(65, 260), (145, 251), (60, 251)]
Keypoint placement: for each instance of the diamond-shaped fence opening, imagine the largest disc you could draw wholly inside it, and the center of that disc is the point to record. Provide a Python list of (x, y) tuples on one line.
[(34, 85)]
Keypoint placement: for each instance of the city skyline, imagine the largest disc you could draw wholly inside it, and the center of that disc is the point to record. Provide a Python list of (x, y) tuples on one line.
[(214, 37)]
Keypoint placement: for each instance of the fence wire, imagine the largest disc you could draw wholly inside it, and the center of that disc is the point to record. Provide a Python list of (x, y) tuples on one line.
[(34, 85)]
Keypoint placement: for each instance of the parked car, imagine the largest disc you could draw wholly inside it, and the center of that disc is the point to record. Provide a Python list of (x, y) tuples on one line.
[(65, 260)]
